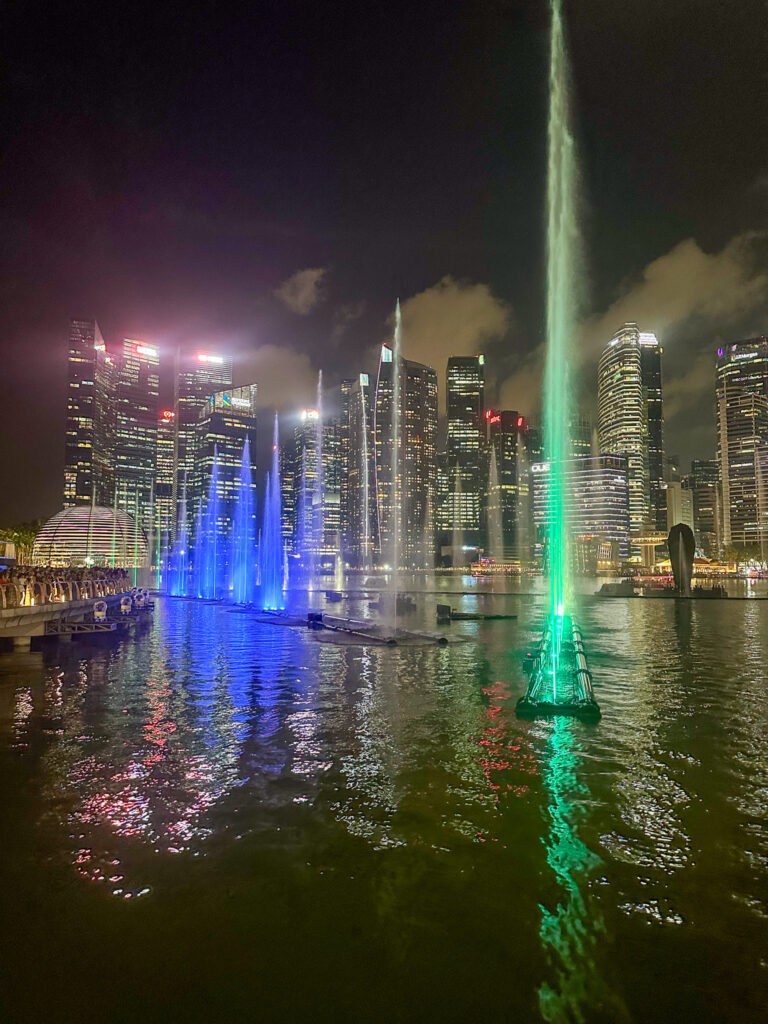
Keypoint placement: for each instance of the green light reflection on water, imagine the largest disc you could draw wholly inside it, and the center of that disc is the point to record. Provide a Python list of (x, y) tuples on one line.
[(571, 931)]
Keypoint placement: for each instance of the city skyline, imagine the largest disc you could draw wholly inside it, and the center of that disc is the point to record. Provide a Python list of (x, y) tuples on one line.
[(276, 223), (470, 489)]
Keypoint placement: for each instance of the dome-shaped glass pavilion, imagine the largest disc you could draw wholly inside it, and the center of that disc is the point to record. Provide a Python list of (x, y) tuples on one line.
[(91, 535)]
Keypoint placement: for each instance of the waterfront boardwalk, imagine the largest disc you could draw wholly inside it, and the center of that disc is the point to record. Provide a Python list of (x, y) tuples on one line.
[(49, 608)]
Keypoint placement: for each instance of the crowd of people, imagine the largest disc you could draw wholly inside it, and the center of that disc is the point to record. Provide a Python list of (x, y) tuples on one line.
[(26, 575), (22, 585)]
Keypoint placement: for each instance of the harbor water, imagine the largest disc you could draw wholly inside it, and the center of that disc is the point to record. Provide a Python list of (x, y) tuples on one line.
[(217, 819)]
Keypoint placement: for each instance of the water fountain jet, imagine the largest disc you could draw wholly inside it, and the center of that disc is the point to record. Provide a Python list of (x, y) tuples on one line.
[(560, 680)]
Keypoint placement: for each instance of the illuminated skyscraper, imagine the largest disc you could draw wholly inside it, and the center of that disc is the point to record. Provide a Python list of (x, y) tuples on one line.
[(597, 502), (88, 465), (226, 420), (464, 461), (164, 519), (631, 422), (136, 408), (742, 441), (581, 436), (359, 518), (406, 506), (312, 507), (197, 378), (706, 514), (514, 447)]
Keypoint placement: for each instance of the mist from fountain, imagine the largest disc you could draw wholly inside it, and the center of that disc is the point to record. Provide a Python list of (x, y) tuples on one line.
[(271, 551), (495, 522), (562, 261), (243, 540)]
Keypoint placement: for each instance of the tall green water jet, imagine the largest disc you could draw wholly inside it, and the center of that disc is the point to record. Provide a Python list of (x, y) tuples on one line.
[(562, 262)]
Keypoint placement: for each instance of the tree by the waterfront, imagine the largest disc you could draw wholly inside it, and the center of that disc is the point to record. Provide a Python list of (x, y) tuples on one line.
[(23, 536)]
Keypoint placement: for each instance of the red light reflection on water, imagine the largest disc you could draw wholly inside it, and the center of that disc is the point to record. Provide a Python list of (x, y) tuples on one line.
[(505, 755)]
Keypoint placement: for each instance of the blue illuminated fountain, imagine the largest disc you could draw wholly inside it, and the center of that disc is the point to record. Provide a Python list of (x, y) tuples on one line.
[(243, 539), (208, 546), (178, 568), (271, 551)]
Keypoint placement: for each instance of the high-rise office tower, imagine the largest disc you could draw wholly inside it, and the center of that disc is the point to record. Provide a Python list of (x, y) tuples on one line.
[(580, 436), (312, 486), (197, 377), (334, 462), (650, 371), (406, 505), (742, 441), (359, 520), (702, 481), (228, 418), (88, 468), (289, 488), (164, 518), (597, 500), (135, 450), (512, 447), (630, 421), (346, 388), (463, 465), (679, 504)]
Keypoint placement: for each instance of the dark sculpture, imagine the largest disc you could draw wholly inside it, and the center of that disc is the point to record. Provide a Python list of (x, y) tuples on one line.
[(682, 547)]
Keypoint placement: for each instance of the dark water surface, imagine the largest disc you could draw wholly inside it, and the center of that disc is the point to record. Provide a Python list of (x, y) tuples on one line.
[(217, 820)]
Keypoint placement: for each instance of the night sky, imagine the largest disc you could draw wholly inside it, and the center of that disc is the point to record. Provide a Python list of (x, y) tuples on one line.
[(170, 170)]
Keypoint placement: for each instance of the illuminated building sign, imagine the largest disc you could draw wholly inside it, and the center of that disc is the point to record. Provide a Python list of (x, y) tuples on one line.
[(540, 467), (364, 379), (204, 358), (309, 414), (167, 415), (240, 403), (145, 350), (386, 354)]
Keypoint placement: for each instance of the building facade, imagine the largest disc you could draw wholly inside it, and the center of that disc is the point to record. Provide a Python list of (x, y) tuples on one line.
[(742, 442), (463, 465), (512, 447), (226, 422), (597, 501), (359, 514), (679, 505), (135, 449), (196, 378), (88, 462), (630, 419), (406, 465), (703, 484), (164, 506)]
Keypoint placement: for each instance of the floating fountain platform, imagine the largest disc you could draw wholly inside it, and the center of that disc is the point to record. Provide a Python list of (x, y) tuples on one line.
[(560, 682)]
